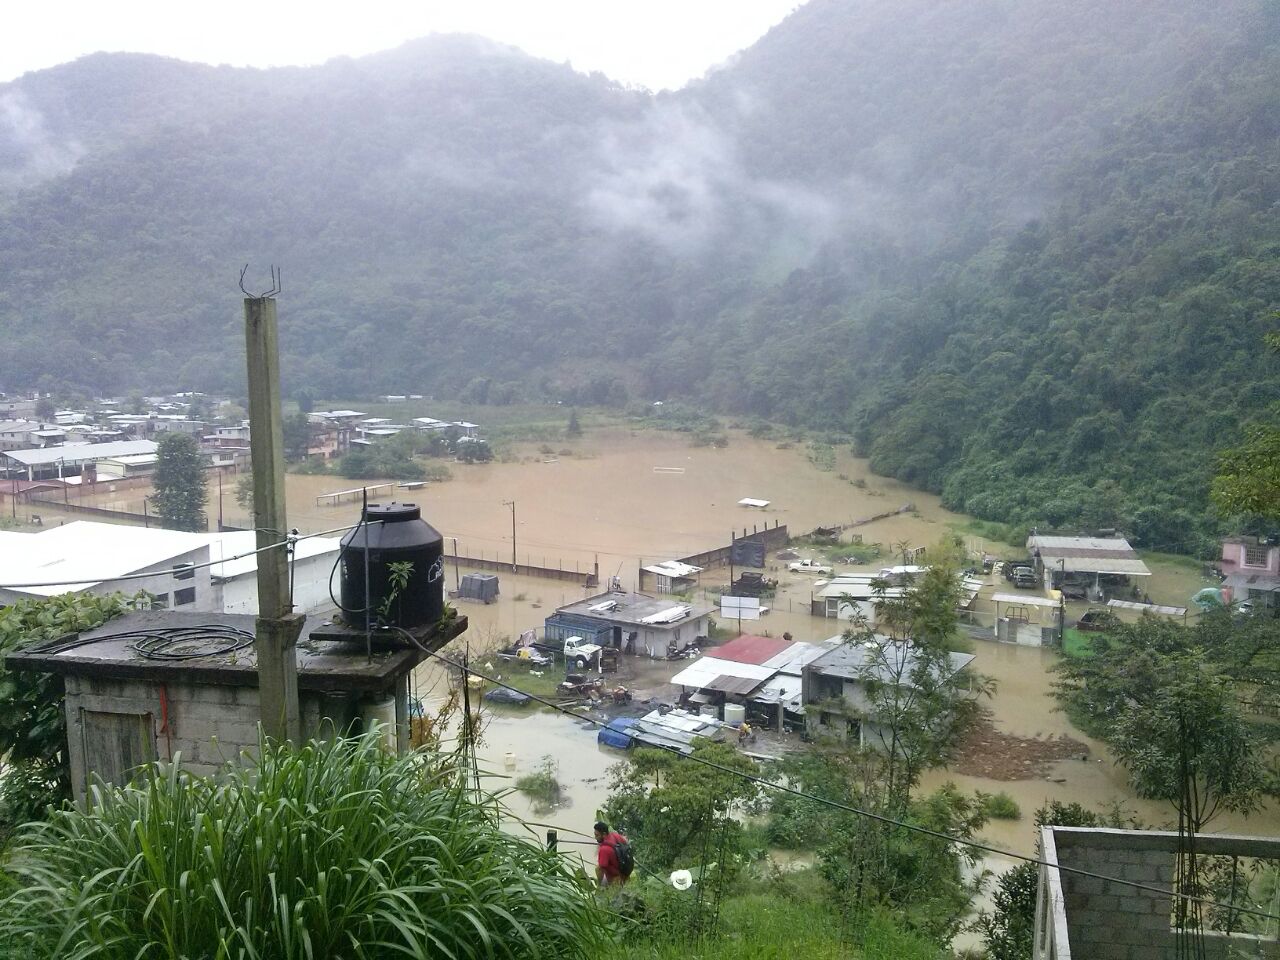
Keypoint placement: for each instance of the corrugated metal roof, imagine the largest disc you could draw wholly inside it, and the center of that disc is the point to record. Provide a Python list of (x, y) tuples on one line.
[(86, 549), (750, 648), (80, 452), (1148, 607), (1111, 555), (1025, 599), (735, 685), (794, 658), (705, 670)]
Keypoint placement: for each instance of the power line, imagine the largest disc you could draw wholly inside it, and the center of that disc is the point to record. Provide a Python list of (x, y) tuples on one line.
[(835, 804)]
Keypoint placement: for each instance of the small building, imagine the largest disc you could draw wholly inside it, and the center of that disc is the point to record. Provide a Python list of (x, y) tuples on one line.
[(89, 557), (479, 586), (1252, 569), (669, 576), (16, 434), (632, 623), (234, 573), (70, 458), (835, 685), (1103, 565), (121, 468), (129, 704), (1027, 619)]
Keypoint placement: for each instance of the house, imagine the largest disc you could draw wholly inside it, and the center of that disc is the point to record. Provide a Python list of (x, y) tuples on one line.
[(854, 595), (16, 434), (669, 576), (632, 623), (836, 699), (1102, 565), (235, 581), (70, 458), (96, 558), (1252, 569), (18, 408)]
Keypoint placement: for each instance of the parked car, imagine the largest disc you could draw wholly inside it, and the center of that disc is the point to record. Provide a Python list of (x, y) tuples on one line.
[(809, 566), (1094, 620), (1024, 578)]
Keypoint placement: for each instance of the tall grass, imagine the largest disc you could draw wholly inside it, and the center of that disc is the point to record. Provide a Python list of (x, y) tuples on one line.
[(335, 849)]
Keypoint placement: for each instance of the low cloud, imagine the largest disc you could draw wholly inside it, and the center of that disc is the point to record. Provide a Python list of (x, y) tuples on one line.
[(29, 152)]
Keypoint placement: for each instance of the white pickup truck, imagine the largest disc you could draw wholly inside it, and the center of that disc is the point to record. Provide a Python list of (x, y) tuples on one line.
[(580, 653), (808, 566)]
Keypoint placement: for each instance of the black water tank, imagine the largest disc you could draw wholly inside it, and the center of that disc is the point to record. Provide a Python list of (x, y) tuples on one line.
[(394, 533)]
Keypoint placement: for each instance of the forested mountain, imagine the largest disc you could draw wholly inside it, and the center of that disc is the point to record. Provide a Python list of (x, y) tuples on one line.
[(1022, 251)]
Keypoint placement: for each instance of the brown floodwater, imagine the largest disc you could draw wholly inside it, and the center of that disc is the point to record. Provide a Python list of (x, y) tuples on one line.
[(623, 498)]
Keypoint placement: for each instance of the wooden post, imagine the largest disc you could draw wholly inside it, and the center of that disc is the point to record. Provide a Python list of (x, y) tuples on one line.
[(277, 626)]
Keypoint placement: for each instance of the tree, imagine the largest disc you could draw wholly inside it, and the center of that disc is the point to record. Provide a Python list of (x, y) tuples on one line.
[(180, 482), (677, 812), (1248, 479), (297, 437), (574, 428), (33, 727), (45, 409)]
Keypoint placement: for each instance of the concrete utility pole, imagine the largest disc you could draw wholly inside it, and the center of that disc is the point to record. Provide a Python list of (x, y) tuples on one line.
[(512, 505), (278, 627)]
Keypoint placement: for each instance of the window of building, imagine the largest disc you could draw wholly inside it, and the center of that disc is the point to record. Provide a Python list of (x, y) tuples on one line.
[(159, 601), (183, 597), (1255, 554), (184, 571)]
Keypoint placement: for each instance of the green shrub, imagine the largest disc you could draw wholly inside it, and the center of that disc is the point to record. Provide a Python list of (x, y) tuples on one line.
[(333, 849), (1000, 806)]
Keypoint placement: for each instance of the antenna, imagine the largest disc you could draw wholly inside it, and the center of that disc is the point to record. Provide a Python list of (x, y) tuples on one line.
[(275, 284)]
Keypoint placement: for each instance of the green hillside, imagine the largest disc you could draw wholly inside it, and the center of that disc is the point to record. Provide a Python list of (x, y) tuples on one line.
[(1021, 253)]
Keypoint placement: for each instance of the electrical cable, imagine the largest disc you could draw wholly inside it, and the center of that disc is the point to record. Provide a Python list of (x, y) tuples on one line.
[(835, 804), (163, 643)]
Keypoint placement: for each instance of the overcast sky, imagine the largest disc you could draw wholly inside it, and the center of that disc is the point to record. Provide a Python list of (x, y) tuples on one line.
[(655, 43)]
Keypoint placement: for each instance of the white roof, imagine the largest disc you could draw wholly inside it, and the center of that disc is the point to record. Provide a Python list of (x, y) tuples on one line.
[(235, 543), (1088, 555), (1025, 599), (753, 502), (673, 568), (135, 458), (85, 550), (337, 414), (857, 590), (704, 670), (76, 453)]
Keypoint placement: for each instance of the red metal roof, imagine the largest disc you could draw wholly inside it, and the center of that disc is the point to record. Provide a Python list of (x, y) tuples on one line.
[(749, 648)]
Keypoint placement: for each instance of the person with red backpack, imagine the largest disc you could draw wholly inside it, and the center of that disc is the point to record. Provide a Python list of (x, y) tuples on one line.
[(614, 861)]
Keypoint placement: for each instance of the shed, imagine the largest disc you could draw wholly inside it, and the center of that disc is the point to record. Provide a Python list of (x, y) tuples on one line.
[(128, 705), (1062, 560), (479, 586)]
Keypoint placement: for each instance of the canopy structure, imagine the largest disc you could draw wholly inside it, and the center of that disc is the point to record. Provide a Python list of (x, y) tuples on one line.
[(753, 502)]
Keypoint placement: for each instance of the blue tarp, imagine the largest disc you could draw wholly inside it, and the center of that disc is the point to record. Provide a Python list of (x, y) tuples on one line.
[(617, 733)]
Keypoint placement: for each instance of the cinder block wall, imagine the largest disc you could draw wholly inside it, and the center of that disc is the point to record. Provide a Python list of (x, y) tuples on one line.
[(206, 724), (1112, 921)]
